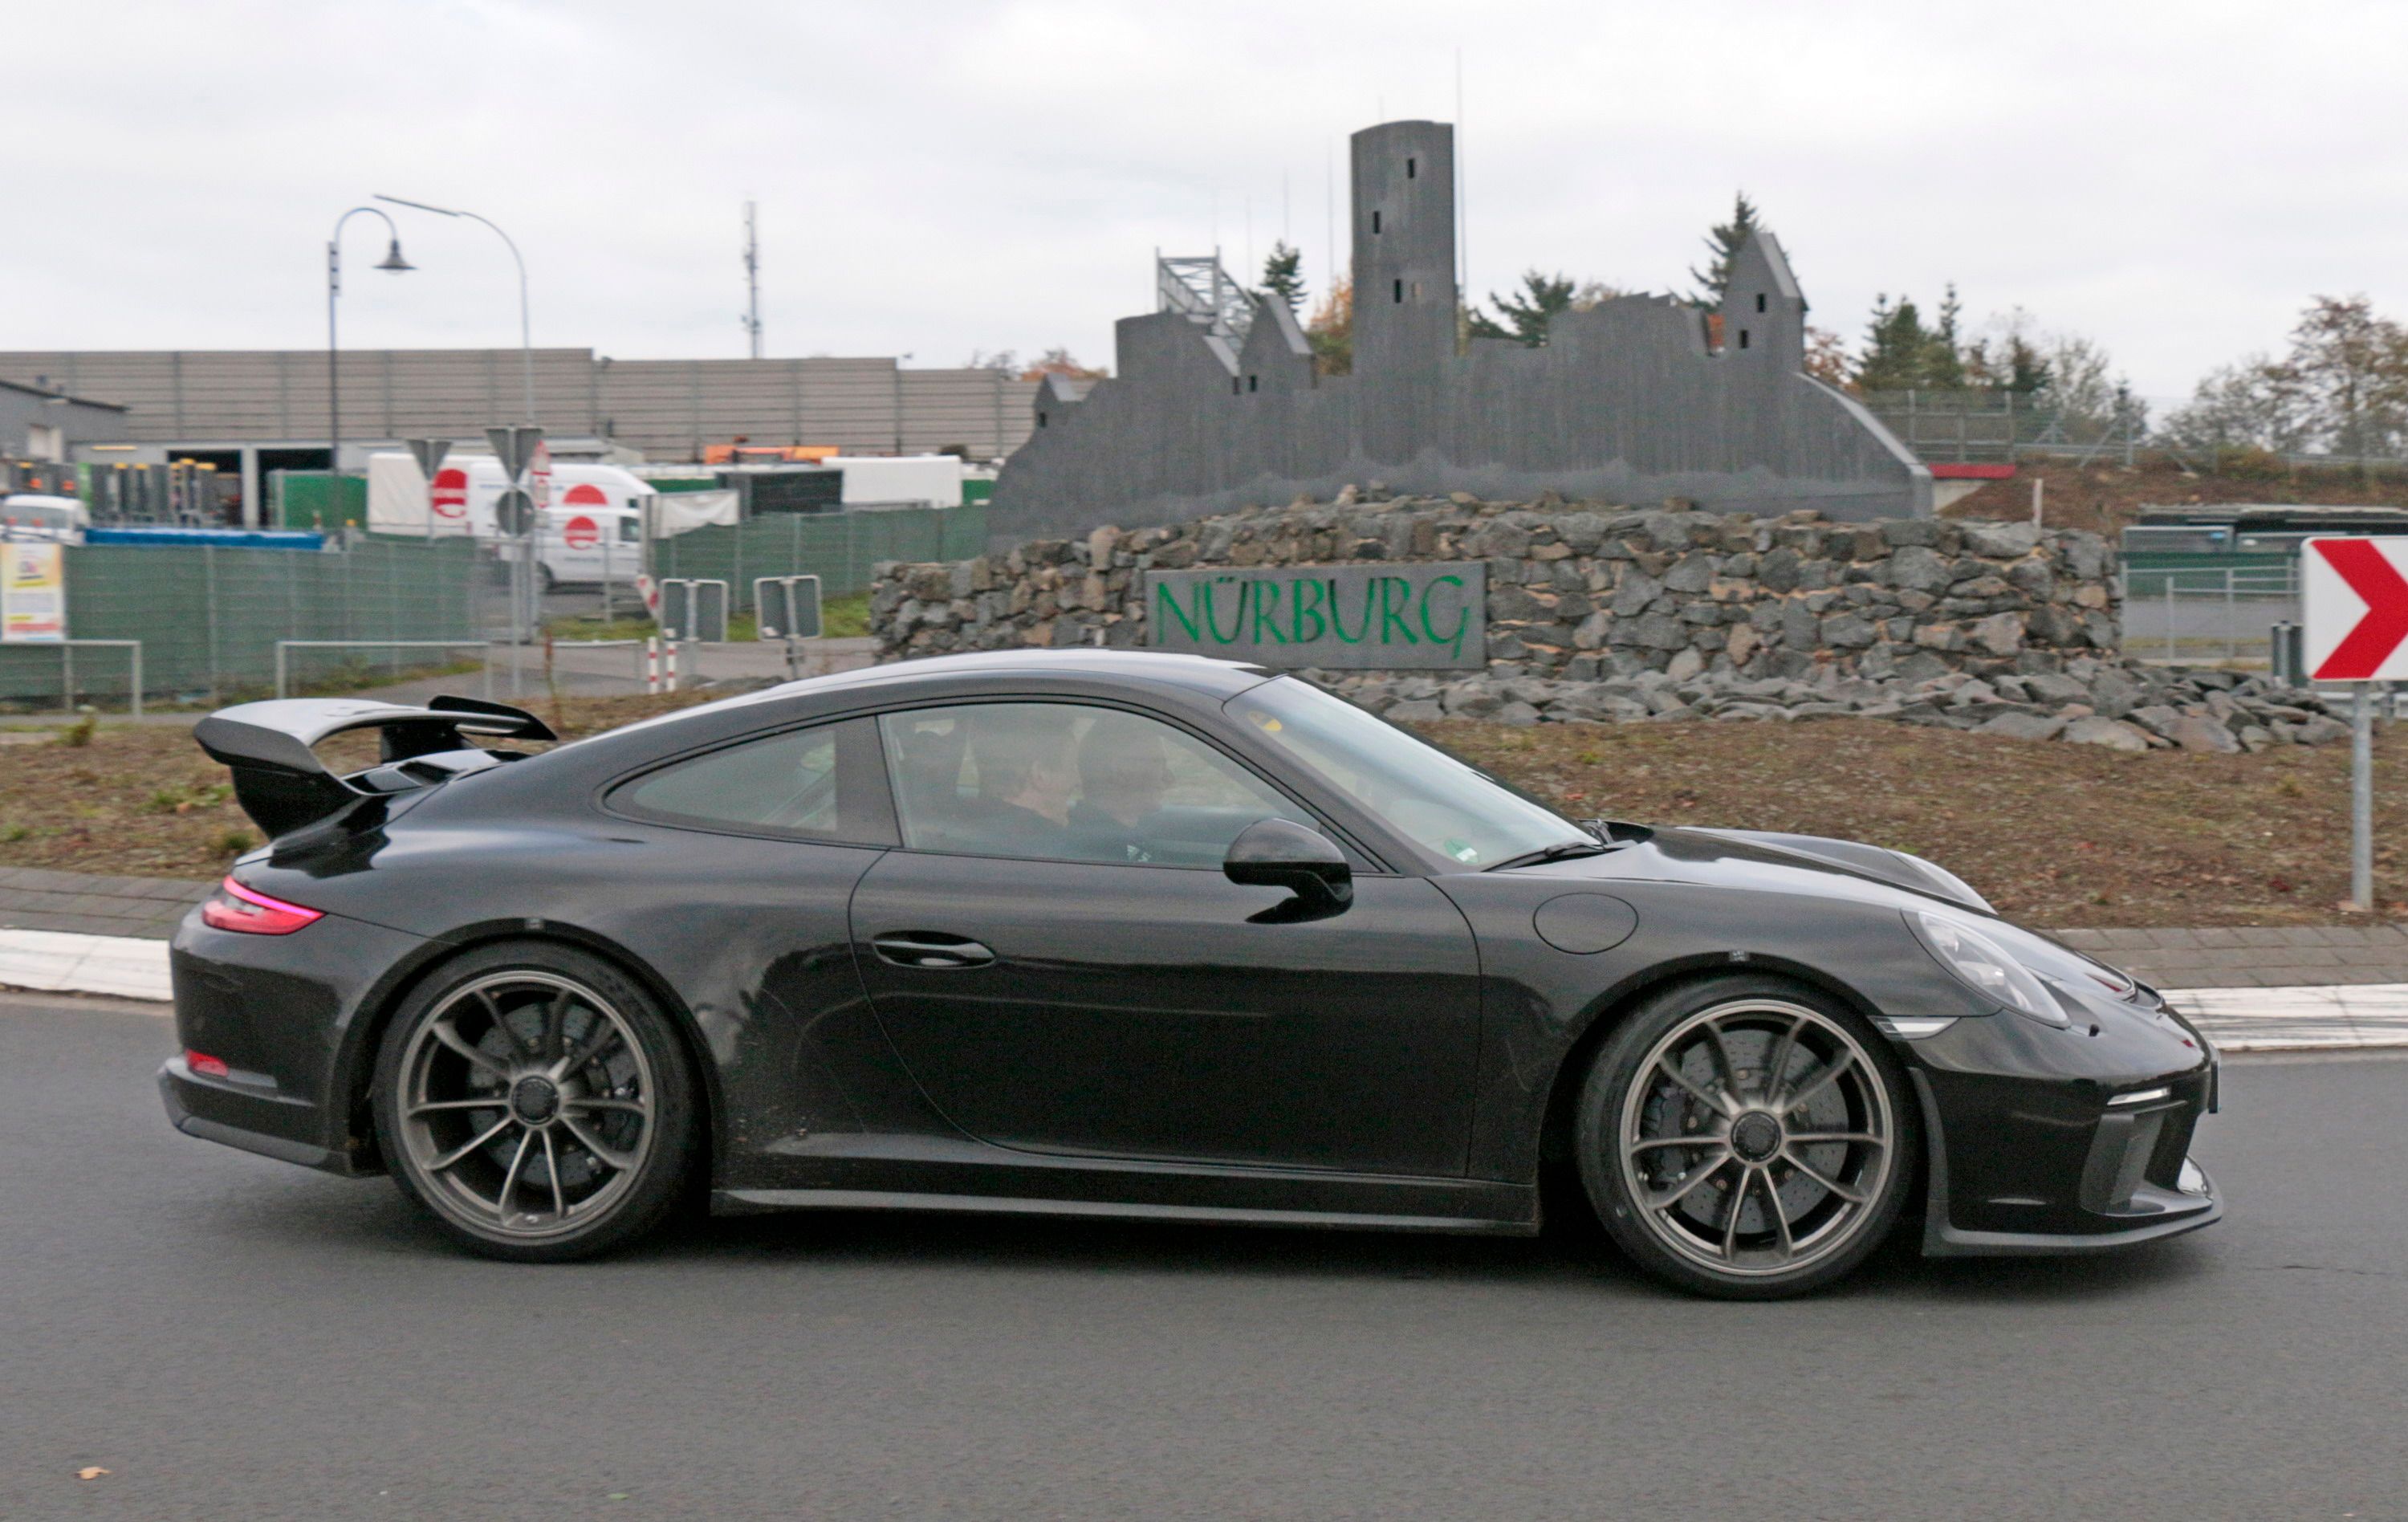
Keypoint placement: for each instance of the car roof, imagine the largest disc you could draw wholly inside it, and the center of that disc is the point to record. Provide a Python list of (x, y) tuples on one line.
[(1201, 675)]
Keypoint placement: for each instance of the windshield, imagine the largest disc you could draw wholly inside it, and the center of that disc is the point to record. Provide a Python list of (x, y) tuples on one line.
[(1420, 792)]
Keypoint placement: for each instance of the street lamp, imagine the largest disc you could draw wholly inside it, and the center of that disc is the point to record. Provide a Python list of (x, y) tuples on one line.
[(526, 345), (394, 264)]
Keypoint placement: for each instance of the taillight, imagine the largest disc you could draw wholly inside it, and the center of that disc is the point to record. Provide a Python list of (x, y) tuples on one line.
[(205, 1065), (234, 907)]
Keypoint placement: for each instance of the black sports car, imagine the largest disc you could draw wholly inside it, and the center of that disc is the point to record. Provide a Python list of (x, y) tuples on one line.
[(1102, 933)]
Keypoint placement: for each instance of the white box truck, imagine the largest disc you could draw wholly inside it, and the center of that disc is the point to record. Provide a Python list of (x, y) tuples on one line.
[(593, 532)]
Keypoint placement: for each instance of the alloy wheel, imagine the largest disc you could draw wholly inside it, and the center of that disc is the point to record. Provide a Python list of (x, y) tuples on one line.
[(526, 1104), (1756, 1137)]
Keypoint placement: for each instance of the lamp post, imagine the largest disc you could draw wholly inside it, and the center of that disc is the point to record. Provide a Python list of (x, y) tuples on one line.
[(526, 344), (392, 262)]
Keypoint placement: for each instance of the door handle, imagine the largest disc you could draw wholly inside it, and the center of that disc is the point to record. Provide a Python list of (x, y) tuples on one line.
[(931, 950)]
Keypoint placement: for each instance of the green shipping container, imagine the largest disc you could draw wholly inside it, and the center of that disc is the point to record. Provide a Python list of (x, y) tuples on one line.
[(298, 499)]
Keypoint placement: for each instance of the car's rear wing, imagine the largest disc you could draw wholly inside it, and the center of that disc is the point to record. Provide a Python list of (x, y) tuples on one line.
[(280, 782)]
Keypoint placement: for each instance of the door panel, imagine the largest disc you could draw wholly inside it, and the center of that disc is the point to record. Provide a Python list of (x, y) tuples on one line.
[(1137, 1012)]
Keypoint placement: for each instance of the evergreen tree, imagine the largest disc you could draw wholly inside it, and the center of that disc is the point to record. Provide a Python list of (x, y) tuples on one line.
[(1901, 353), (1543, 297), (1943, 362), (1283, 275), (1724, 240), (1896, 342)]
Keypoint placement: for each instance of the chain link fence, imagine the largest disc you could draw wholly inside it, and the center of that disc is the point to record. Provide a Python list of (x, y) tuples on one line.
[(2195, 615), (839, 548), (209, 617)]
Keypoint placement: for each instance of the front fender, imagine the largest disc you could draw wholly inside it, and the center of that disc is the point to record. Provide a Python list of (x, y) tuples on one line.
[(1540, 1006)]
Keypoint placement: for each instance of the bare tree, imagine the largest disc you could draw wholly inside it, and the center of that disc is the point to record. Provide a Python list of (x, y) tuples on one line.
[(2342, 390), (2353, 367)]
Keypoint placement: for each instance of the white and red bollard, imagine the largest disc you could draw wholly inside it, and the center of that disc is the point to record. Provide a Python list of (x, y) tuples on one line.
[(652, 665)]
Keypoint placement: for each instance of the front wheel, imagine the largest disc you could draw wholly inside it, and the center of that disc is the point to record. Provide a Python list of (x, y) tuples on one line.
[(1747, 1137), (535, 1102)]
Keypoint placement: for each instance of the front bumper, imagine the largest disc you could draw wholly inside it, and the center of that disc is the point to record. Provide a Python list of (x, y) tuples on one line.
[(2050, 1142), (2137, 1185)]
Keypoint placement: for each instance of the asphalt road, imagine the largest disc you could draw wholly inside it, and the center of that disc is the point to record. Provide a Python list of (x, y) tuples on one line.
[(234, 1337)]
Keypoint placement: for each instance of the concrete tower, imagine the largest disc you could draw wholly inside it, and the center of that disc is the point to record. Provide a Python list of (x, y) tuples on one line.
[(1404, 248), (1764, 315)]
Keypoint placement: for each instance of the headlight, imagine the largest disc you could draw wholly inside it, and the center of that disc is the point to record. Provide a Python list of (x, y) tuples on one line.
[(1984, 967)]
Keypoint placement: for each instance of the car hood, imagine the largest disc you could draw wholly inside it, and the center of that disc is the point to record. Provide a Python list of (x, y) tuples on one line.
[(1769, 861)]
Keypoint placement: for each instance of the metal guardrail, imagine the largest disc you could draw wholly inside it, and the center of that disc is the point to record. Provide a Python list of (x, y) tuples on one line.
[(284, 648), (634, 646)]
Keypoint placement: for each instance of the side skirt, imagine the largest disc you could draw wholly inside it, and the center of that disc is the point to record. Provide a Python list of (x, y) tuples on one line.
[(863, 1171), (739, 1201)]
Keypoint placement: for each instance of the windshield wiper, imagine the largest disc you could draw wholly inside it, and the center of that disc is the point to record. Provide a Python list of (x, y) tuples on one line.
[(1560, 851)]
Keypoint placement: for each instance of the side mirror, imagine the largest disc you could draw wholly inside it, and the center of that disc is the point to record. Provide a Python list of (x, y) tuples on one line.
[(1281, 854)]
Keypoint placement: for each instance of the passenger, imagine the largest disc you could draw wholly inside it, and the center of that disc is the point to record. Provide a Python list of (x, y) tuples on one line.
[(1124, 774), (1026, 778)]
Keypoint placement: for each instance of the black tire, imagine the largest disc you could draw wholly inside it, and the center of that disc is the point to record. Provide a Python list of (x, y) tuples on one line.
[(521, 1044), (1747, 1138)]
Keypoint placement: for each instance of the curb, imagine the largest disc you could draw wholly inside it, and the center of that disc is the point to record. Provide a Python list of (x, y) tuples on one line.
[(63, 962), (2330, 1018)]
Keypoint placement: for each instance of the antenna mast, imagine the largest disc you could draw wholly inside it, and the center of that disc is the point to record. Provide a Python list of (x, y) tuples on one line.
[(752, 283)]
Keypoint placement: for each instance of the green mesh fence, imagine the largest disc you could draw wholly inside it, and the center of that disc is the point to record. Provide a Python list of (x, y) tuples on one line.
[(839, 548), (209, 618)]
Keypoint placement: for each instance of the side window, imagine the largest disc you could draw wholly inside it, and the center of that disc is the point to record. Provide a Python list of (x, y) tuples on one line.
[(820, 784), (1063, 781)]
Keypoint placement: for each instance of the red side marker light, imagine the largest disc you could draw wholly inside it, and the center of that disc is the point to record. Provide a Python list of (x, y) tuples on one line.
[(234, 907), (205, 1065)]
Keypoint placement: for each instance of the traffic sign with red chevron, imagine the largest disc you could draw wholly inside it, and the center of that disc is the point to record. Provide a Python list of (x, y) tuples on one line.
[(2357, 612)]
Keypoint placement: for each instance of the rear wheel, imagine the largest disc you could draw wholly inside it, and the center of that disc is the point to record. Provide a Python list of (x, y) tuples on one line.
[(535, 1102), (1747, 1137)]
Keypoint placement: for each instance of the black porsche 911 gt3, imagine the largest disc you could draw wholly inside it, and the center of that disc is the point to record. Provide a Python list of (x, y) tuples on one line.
[(1118, 934)]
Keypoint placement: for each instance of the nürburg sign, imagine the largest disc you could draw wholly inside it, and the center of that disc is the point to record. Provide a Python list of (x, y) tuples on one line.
[(1419, 617)]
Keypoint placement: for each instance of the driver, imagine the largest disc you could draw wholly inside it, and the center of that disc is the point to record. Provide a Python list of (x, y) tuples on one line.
[(1124, 773), (1025, 779)]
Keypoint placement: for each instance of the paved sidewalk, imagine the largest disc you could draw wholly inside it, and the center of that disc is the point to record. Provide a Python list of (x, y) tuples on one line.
[(2296, 957), (80, 903)]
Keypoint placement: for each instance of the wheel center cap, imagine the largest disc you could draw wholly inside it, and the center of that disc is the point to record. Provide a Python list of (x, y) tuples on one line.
[(1756, 1136), (535, 1100)]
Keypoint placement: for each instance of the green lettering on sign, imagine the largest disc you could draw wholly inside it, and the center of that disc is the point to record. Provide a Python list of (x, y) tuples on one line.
[(1166, 607), (1462, 616), (1212, 625), (1352, 616), (1267, 597), (1298, 606), (1392, 588)]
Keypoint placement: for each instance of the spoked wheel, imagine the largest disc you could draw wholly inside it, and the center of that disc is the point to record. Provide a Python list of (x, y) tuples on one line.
[(539, 1108), (1746, 1139)]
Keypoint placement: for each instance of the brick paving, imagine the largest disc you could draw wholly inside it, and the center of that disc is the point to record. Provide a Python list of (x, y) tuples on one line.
[(2291, 957), (81, 903)]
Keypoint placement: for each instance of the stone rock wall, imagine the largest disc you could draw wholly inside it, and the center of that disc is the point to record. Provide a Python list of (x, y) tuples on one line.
[(1576, 593), (1613, 615)]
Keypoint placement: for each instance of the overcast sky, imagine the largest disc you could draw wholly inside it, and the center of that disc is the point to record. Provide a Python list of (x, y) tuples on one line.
[(2172, 179)]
